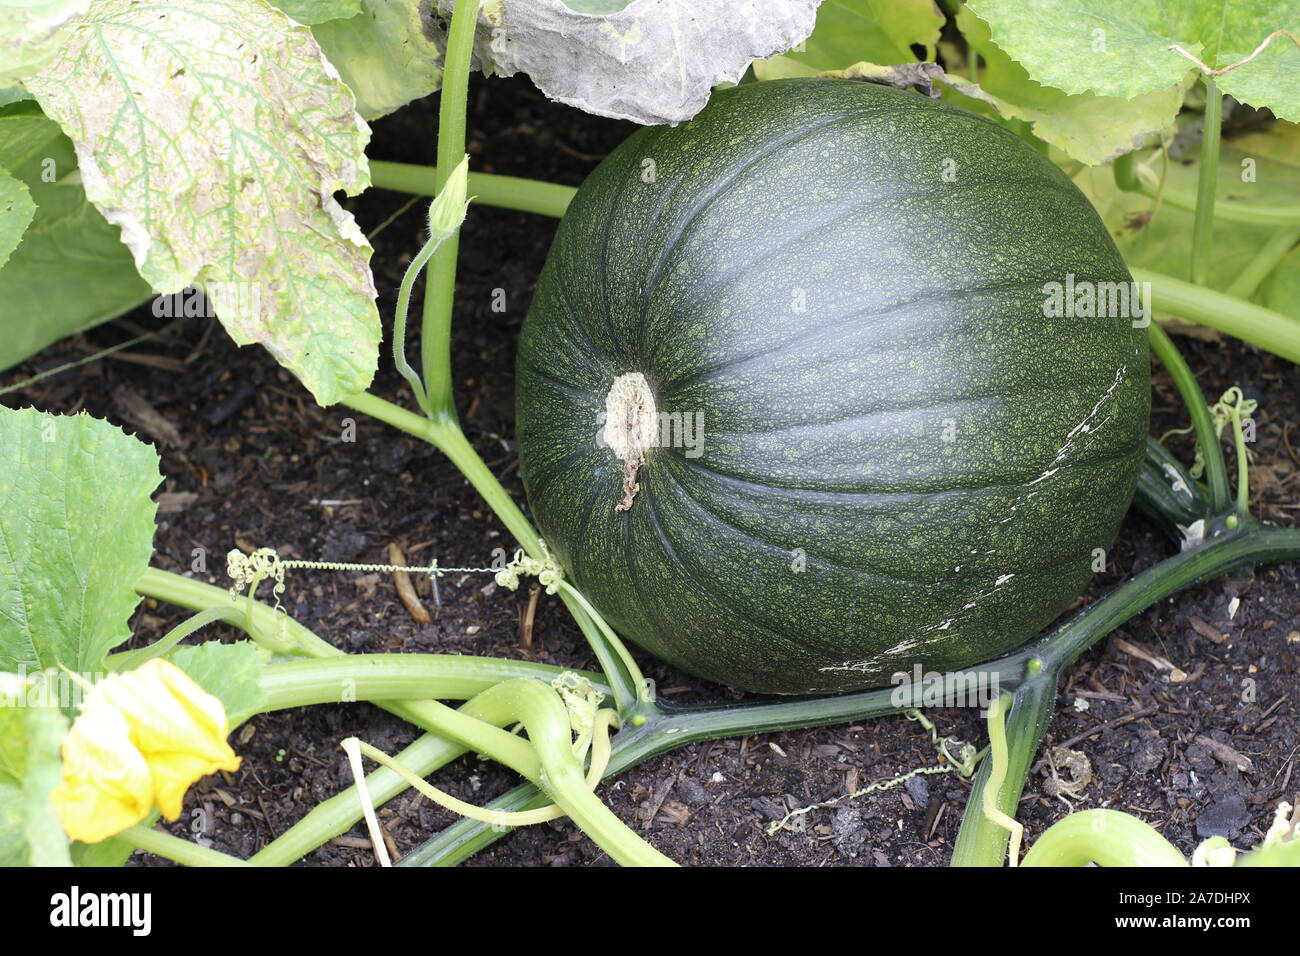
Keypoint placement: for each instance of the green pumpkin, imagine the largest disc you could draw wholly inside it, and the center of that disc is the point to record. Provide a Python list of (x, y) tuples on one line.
[(799, 406)]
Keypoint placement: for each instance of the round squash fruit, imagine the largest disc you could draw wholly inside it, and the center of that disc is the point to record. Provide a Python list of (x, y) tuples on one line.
[(831, 381)]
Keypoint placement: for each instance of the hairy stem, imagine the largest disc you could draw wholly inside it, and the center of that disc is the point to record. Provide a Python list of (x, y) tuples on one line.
[(1206, 184), (440, 281)]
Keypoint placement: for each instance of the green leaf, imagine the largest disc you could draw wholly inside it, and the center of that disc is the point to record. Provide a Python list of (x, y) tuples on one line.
[(71, 270), (107, 853), (1162, 242), (30, 33), (214, 134), (1089, 128), (852, 31), (1122, 48), (31, 734), (45, 728), (386, 55), (232, 673), (16, 212), (13, 94), (76, 533), (312, 12)]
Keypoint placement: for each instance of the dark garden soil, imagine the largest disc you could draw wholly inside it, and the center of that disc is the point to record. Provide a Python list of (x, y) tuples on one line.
[(1207, 747)]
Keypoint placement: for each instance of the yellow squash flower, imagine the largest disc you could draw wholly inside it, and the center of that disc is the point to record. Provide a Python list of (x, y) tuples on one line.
[(106, 786), (140, 740)]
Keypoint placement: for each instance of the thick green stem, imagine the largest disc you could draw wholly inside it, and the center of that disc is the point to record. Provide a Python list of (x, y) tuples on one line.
[(1243, 459), (1206, 184), (1107, 837), (1249, 212), (508, 192), (440, 280), (340, 813), (1216, 471), (174, 848), (1122, 168), (333, 676), (546, 758), (547, 722), (1273, 331), (448, 438), (981, 841), (1167, 494), (1264, 261), (381, 677), (186, 592), (1030, 672)]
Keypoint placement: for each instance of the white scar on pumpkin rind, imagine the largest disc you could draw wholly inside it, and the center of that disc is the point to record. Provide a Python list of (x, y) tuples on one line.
[(630, 418)]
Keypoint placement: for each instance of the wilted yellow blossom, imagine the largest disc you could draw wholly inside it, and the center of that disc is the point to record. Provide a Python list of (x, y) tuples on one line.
[(140, 740)]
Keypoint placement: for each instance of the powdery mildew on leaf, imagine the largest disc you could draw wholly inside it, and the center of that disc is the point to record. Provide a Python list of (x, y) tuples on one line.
[(654, 61), (214, 133), (29, 33)]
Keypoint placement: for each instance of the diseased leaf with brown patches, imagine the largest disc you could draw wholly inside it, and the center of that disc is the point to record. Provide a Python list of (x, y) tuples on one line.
[(214, 134)]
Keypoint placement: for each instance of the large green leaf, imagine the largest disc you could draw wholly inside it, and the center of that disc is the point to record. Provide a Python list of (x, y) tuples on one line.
[(70, 271), (16, 212), (231, 673), (1125, 48), (1163, 242), (1261, 167), (1281, 291), (320, 11), (31, 732), (852, 31), (1090, 128), (387, 55), (214, 134), (76, 533)]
